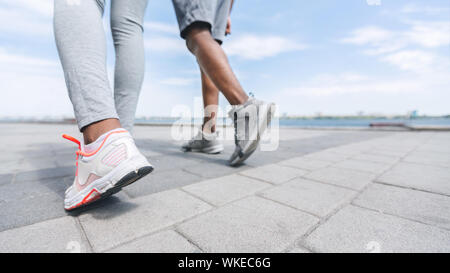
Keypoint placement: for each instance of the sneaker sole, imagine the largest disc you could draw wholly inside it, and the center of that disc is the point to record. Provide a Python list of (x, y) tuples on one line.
[(209, 150), (127, 180)]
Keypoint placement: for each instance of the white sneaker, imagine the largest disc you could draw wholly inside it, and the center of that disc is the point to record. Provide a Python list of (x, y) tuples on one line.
[(115, 164), (204, 143), (250, 121)]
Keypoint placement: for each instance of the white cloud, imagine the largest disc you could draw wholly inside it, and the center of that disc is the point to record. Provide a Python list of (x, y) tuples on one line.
[(420, 33), (415, 8), (410, 49), (9, 59), (32, 87), (350, 83), (20, 21), (39, 7), (412, 60), (368, 35), (255, 47), (429, 34)]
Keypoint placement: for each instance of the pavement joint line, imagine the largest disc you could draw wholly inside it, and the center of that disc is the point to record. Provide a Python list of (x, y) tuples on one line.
[(286, 205), (170, 227), (399, 216), (187, 238), (293, 167), (326, 183), (137, 238), (83, 233), (411, 188), (30, 224), (301, 240), (267, 182), (353, 169), (295, 244), (198, 197), (425, 164), (373, 161), (299, 168), (196, 174)]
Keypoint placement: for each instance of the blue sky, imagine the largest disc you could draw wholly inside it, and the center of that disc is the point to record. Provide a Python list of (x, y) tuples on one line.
[(323, 56)]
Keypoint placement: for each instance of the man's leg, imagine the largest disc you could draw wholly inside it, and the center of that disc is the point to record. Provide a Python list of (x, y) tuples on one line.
[(214, 62), (250, 117), (127, 28), (210, 95), (81, 44), (206, 141)]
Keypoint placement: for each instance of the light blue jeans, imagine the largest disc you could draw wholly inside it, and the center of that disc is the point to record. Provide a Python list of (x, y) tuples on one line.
[(81, 43)]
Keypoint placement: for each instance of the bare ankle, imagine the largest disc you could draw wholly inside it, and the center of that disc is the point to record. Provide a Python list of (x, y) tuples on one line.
[(96, 129)]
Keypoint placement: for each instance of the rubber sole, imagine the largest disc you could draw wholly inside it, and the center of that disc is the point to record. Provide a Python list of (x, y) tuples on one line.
[(241, 159), (127, 180), (210, 151)]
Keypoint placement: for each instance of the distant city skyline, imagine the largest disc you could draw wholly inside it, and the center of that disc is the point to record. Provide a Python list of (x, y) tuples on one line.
[(329, 57)]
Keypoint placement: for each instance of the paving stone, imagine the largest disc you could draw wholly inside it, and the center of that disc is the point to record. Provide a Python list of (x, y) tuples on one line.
[(313, 197), (264, 158), (328, 156), (274, 173), (352, 179), (164, 163), (299, 250), (425, 207), (225, 189), (215, 168), (150, 153), (42, 162), (110, 226), (65, 159), (57, 235), (5, 179), (29, 189), (9, 167), (30, 210), (386, 152), (364, 166), (355, 229), (305, 163), (159, 181), (436, 159), (252, 224), (417, 176), (435, 147), (45, 173), (162, 242), (376, 158), (346, 150)]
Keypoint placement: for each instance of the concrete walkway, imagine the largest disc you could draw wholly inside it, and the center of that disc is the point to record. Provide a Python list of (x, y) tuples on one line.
[(320, 191)]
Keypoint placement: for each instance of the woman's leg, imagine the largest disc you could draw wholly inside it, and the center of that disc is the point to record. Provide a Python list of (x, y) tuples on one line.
[(81, 44), (127, 30)]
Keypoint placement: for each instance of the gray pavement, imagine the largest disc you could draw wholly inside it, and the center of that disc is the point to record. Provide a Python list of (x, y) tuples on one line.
[(320, 191)]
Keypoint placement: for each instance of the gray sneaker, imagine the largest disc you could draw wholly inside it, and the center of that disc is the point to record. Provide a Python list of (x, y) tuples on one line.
[(250, 122), (204, 143)]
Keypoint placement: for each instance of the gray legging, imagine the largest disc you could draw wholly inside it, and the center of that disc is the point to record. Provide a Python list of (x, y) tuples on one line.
[(81, 43)]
